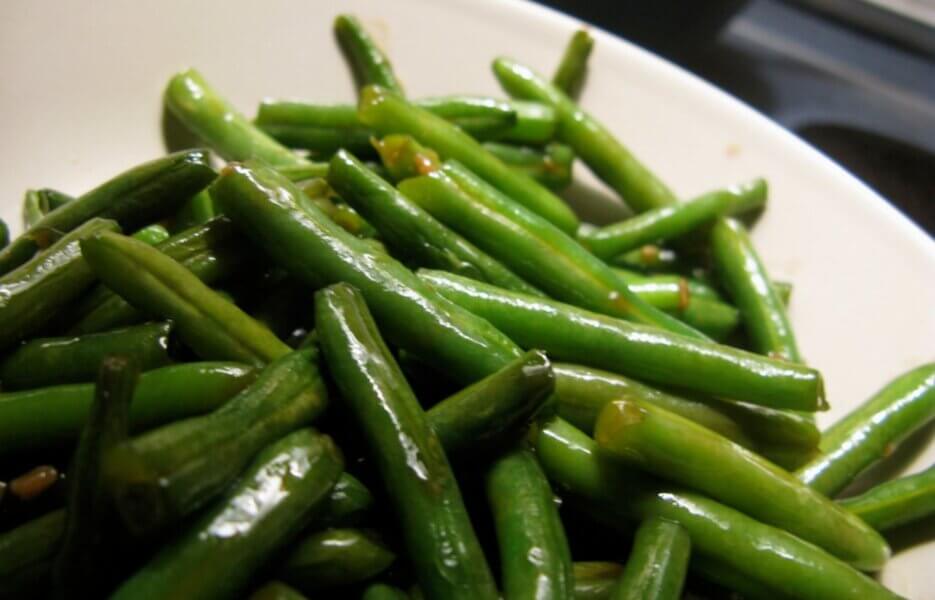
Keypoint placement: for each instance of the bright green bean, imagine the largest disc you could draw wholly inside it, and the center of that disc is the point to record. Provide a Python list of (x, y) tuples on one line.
[(551, 165), (896, 502), (656, 567), (335, 557), (573, 67), (368, 63)]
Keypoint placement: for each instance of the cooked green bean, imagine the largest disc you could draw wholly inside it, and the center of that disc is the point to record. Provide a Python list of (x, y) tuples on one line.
[(573, 334), (39, 289), (197, 210), (152, 234), (660, 442), (656, 567), (896, 502), (535, 124), (134, 198), (348, 502), (277, 495), (317, 252), (407, 453), (276, 590), (486, 412), (388, 113), (33, 210), (591, 141), (744, 276), (755, 550), (85, 542), (404, 157), (671, 221), (870, 432), (169, 472), (520, 239), (413, 234), (368, 63), (595, 580), (749, 589), (54, 361), (573, 67), (49, 417), (381, 591), (334, 557), (26, 555), (213, 119), (477, 115), (651, 259), (551, 165), (535, 561), (4, 234), (212, 326), (321, 194)]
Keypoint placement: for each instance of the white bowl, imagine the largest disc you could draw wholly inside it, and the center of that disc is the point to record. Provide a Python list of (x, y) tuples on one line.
[(81, 100)]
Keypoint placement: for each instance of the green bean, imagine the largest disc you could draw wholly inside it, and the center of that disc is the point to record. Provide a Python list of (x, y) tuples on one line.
[(26, 555), (388, 113), (550, 166), (477, 115), (197, 210), (656, 440), (758, 551), (749, 589), (50, 199), (407, 453), (595, 580), (212, 252), (486, 412), (49, 417), (381, 591), (35, 292), (573, 66), (591, 141), (152, 234), (335, 557), (744, 276), (213, 119), (673, 220), (133, 198), (276, 590), (85, 541), (317, 252), (652, 259), (368, 63), (33, 210), (896, 502), (520, 239), (535, 561), (535, 124), (404, 157), (169, 472), (348, 502), (53, 361), (344, 215), (657, 564), (573, 334), (277, 495), (870, 432), (212, 326), (413, 234), (4, 234), (310, 170)]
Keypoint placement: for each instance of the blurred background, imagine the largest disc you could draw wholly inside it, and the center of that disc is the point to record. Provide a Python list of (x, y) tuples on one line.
[(855, 78)]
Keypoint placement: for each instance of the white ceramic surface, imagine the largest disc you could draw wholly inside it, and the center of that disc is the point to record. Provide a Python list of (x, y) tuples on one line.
[(80, 99)]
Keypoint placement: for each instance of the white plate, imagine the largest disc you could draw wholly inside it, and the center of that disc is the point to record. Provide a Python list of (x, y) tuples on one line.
[(80, 100)]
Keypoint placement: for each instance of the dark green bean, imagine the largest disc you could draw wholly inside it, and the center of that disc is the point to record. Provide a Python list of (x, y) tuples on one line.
[(551, 165), (657, 563), (335, 557), (54, 361), (896, 502), (276, 590), (573, 334), (26, 555), (749, 589), (381, 591), (197, 210), (870, 432), (348, 502), (595, 580), (33, 209), (277, 495), (407, 453), (571, 71), (368, 63)]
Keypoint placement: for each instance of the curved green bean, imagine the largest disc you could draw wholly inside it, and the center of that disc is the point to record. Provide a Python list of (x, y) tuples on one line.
[(870, 432), (656, 567), (571, 71), (368, 63), (896, 502), (551, 165), (334, 557)]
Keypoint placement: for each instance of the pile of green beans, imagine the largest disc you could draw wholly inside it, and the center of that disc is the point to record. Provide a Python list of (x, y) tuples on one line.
[(214, 360)]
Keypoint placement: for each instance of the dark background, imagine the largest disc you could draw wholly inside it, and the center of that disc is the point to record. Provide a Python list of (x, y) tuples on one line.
[(854, 80)]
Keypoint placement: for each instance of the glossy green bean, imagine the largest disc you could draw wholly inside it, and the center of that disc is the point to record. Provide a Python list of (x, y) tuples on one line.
[(551, 165), (671, 221), (276, 590), (870, 432), (660, 442), (134, 198), (85, 540), (277, 495), (26, 555), (169, 472), (423, 491), (758, 551), (197, 210), (535, 124), (33, 210), (152, 234), (521, 239), (591, 141), (310, 170), (412, 234), (321, 194), (54, 361), (535, 561), (317, 252), (213, 119), (743, 275), (212, 252), (368, 63), (896, 502), (212, 326), (388, 113), (477, 115), (657, 564), (572, 334), (52, 199), (485, 413), (573, 67), (651, 259), (404, 157), (37, 290), (348, 502), (595, 580), (335, 557)]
